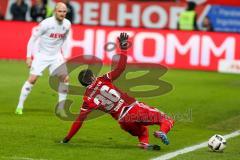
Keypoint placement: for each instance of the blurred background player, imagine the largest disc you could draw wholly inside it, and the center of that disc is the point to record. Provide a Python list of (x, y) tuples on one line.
[(19, 10), (133, 116), (51, 33), (1, 14), (38, 11), (207, 25), (188, 18), (49, 9)]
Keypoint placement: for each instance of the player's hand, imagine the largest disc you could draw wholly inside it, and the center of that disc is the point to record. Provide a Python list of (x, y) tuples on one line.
[(29, 62), (65, 140), (123, 40)]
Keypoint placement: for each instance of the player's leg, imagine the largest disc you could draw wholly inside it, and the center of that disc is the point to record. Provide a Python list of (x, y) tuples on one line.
[(149, 116), (166, 123), (26, 89), (59, 69), (63, 88), (38, 66), (136, 130), (62, 95), (141, 132), (161, 119)]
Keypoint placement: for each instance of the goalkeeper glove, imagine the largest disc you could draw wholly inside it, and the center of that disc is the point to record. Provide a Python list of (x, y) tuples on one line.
[(123, 41)]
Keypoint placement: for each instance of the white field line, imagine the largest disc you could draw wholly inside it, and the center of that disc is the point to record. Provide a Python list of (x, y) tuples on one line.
[(21, 158), (192, 148)]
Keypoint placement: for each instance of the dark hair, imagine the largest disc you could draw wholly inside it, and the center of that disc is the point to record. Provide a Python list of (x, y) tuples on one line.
[(45, 2), (85, 77), (191, 5)]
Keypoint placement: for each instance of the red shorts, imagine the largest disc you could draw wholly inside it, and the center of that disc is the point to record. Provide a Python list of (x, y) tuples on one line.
[(140, 116)]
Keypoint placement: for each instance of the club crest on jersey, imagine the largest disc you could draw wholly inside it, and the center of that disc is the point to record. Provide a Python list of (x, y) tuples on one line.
[(56, 35)]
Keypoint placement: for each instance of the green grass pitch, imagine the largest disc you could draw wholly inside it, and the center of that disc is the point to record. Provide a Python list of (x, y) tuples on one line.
[(204, 103)]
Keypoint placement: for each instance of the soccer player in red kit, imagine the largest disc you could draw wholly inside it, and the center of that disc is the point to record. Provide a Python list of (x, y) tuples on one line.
[(133, 116)]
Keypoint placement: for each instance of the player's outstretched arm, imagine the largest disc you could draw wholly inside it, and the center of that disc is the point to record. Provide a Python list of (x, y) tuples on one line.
[(117, 71), (77, 124)]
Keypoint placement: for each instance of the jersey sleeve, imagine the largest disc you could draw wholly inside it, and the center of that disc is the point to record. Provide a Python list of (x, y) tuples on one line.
[(67, 32), (77, 124), (118, 70), (66, 42), (40, 30)]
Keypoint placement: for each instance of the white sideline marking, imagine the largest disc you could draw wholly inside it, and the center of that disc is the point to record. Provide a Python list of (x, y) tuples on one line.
[(192, 148), (21, 158)]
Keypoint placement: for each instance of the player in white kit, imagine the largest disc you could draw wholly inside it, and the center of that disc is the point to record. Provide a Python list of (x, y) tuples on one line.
[(50, 35)]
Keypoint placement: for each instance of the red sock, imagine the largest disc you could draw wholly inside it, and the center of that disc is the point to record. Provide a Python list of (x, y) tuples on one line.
[(144, 137)]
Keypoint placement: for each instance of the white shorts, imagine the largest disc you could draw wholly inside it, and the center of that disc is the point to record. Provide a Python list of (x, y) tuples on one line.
[(55, 65)]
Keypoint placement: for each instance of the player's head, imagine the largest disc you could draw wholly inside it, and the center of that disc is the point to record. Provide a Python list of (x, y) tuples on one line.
[(19, 1), (60, 11), (191, 6), (39, 2), (86, 77), (65, 1)]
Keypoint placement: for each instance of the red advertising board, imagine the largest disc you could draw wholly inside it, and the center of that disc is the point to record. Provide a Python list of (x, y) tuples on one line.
[(217, 2), (176, 49), (145, 14), (126, 13)]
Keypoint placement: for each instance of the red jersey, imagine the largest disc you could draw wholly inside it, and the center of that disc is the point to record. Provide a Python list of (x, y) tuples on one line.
[(103, 95)]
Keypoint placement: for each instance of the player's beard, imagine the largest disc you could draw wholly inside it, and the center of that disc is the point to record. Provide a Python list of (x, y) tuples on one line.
[(60, 20)]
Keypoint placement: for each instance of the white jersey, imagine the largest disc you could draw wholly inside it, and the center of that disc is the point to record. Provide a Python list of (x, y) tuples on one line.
[(51, 35)]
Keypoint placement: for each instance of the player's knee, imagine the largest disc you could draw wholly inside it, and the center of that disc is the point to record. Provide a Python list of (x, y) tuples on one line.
[(133, 133), (139, 132), (32, 79), (134, 130), (170, 122), (64, 78)]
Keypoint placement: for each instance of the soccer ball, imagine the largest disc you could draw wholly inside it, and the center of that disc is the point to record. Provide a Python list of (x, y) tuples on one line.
[(217, 143)]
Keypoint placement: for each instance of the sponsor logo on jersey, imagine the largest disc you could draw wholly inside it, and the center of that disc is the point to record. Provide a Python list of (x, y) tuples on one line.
[(56, 35)]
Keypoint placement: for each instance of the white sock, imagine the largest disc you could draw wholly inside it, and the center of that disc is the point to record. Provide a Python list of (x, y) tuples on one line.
[(62, 94), (26, 89)]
